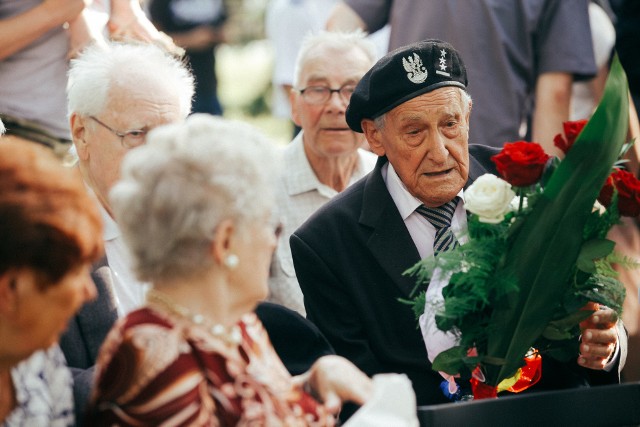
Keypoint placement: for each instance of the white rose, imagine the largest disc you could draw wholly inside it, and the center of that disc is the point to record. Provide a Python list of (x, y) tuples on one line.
[(489, 197)]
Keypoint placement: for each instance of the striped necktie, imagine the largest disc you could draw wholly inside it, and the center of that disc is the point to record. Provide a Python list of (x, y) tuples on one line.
[(440, 218)]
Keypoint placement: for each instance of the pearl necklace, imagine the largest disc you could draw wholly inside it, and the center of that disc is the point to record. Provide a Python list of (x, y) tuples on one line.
[(232, 336)]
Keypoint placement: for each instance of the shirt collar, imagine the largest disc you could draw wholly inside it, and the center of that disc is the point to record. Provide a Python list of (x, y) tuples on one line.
[(300, 177), (111, 230), (404, 200)]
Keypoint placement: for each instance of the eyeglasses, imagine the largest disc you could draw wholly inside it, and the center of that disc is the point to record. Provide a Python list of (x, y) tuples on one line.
[(129, 139), (321, 94)]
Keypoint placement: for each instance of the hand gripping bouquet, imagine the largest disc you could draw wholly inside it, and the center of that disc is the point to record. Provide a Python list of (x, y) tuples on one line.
[(534, 264)]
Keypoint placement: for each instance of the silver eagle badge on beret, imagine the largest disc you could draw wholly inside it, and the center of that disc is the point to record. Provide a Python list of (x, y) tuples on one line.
[(416, 72)]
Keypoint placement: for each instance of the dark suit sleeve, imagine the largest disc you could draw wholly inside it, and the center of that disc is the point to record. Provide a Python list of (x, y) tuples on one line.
[(85, 334), (330, 307), (82, 385), (297, 341)]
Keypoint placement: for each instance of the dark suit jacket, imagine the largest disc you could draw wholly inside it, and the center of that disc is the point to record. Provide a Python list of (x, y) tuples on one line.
[(297, 341), (349, 259), (85, 334)]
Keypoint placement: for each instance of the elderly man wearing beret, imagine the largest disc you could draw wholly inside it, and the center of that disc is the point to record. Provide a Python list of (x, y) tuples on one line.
[(350, 256)]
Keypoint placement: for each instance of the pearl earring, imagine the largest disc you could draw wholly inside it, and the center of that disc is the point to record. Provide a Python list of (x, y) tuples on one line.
[(231, 261)]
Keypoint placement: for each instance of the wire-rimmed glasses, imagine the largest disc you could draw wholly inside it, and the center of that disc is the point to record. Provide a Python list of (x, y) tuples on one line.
[(321, 94), (128, 139)]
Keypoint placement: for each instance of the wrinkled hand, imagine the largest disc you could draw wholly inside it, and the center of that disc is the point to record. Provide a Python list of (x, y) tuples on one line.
[(599, 337), (334, 380)]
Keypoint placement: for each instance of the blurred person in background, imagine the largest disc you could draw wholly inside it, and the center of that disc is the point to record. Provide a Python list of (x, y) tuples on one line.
[(196, 26), (50, 233), (195, 206), (325, 157)]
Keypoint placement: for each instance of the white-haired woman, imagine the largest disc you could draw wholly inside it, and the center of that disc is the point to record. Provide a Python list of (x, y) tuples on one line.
[(195, 206)]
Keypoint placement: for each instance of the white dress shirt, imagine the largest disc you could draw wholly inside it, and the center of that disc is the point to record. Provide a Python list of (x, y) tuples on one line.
[(128, 291), (422, 232)]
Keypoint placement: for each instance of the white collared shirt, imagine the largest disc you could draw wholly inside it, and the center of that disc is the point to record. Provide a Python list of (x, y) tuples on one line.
[(128, 291), (422, 232)]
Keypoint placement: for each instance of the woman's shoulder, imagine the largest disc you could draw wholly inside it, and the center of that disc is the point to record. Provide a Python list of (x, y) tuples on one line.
[(143, 350)]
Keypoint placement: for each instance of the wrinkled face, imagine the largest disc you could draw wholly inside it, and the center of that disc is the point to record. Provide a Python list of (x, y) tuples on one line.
[(326, 133), (141, 107), (426, 141), (44, 314)]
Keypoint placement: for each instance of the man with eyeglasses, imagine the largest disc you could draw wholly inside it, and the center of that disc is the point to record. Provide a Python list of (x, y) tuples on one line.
[(115, 96), (326, 156)]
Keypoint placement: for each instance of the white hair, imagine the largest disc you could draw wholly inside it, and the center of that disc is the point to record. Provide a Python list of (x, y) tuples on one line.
[(2, 128), (176, 189), (97, 69), (333, 41), (465, 99)]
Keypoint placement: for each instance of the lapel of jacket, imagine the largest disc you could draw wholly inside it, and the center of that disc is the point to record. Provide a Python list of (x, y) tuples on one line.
[(389, 242), (480, 162), (96, 318)]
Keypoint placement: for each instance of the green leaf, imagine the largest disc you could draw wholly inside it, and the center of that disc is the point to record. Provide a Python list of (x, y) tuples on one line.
[(561, 329), (592, 250), (604, 290), (451, 361)]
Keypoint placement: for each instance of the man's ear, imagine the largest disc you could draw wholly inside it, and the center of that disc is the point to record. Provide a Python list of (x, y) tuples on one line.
[(374, 136), (78, 132), (295, 115)]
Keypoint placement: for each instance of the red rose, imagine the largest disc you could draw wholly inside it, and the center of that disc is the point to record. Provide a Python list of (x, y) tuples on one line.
[(628, 187), (521, 163), (571, 132), (606, 193)]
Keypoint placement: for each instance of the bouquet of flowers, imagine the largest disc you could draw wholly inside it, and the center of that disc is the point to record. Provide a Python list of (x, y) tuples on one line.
[(537, 257)]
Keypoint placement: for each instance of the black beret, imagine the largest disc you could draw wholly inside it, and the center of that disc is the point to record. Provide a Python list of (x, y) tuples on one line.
[(403, 74)]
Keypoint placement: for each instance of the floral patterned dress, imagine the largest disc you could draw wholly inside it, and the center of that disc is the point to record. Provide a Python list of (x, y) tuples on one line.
[(44, 395), (158, 368)]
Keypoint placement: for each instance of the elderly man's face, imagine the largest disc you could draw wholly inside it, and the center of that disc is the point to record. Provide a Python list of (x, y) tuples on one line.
[(143, 106), (326, 133), (426, 141)]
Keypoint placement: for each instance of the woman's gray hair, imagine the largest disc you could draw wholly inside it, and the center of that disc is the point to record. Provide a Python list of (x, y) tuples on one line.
[(97, 69), (332, 41), (176, 189)]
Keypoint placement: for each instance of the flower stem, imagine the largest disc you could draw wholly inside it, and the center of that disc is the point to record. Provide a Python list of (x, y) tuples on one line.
[(521, 196)]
